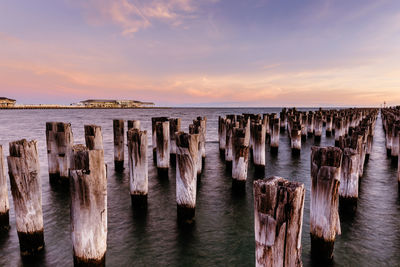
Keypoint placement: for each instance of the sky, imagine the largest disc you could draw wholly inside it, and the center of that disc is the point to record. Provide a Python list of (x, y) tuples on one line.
[(217, 53)]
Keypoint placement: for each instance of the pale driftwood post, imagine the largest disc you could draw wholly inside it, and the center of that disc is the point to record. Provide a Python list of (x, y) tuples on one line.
[(395, 142), (186, 176), (310, 124), (283, 120), (303, 123), (278, 219), (295, 141), (4, 205), (162, 134), (259, 149), (138, 168), (318, 128), (195, 130), (329, 123), (118, 127), (59, 141), (174, 127), (240, 152), (133, 124), (274, 145), (338, 130), (202, 122), (154, 134), (324, 216), (348, 189), (26, 189), (88, 193), (222, 135), (93, 137), (228, 148)]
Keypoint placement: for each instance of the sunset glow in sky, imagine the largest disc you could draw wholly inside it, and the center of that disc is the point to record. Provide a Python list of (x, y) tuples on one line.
[(202, 53)]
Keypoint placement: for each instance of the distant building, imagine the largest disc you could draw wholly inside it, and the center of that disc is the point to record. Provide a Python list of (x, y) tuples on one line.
[(105, 103), (6, 102)]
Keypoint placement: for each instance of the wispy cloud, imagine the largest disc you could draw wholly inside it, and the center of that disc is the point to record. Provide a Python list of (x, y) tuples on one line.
[(133, 15)]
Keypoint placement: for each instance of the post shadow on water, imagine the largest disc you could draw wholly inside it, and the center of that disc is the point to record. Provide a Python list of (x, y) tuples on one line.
[(32, 261)]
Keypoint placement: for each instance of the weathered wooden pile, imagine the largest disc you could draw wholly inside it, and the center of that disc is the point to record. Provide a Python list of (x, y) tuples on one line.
[(243, 140), (391, 126), (335, 174)]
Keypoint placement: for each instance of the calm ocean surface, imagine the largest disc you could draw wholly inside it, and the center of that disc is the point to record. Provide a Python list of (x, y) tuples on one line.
[(223, 233)]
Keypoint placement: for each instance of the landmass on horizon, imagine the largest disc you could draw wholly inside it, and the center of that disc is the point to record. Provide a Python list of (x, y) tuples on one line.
[(8, 103)]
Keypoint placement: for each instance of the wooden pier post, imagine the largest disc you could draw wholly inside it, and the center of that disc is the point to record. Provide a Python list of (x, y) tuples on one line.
[(186, 176), (163, 148), (295, 141), (310, 124), (240, 152), (318, 128), (93, 137), (118, 127), (274, 145), (329, 123), (154, 134), (228, 148), (26, 190), (59, 140), (138, 168), (222, 135), (283, 120), (133, 124), (348, 189), (304, 123), (278, 220), (259, 149), (324, 216), (394, 152), (88, 193), (195, 129), (174, 127), (4, 204), (202, 122), (339, 130)]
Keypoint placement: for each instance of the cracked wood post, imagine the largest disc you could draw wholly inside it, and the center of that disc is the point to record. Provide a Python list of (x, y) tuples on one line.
[(59, 140), (310, 124), (4, 204), (133, 124), (118, 127), (196, 129), (304, 123), (222, 135), (318, 128), (186, 176), (154, 135), (202, 122), (324, 216), (338, 130), (228, 148), (174, 127), (329, 121), (394, 152), (295, 141), (240, 160), (88, 193), (283, 120), (278, 220), (26, 190), (275, 130), (138, 167), (93, 137), (348, 189), (259, 149), (163, 145)]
